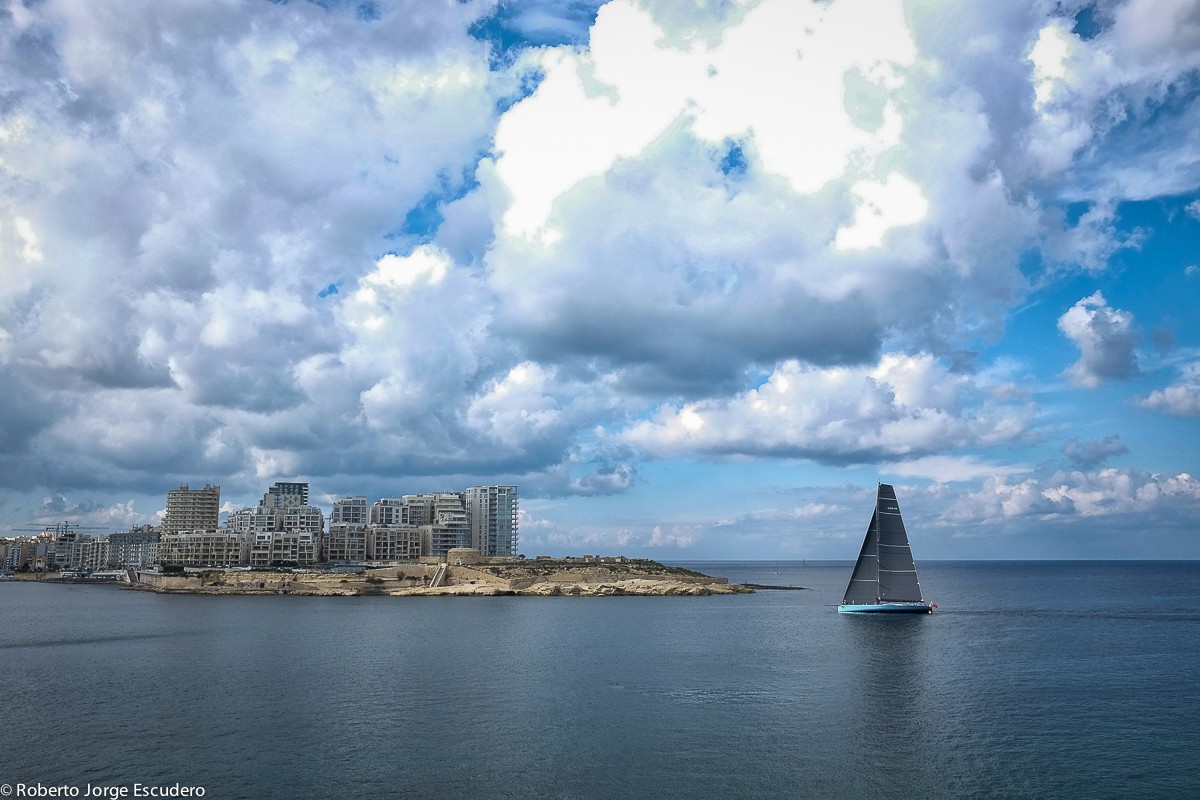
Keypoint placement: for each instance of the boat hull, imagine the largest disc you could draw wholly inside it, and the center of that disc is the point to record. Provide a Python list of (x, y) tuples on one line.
[(886, 608)]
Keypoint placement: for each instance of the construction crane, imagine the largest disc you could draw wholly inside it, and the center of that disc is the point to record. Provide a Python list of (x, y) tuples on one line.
[(63, 532), (60, 529)]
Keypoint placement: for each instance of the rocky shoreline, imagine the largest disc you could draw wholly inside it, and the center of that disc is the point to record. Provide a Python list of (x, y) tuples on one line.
[(639, 587), (541, 578)]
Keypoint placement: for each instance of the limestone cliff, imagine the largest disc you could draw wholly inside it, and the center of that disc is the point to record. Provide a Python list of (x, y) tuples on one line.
[(541, 578)]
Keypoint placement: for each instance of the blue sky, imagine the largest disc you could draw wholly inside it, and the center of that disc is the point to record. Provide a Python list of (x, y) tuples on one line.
[(695, 276)]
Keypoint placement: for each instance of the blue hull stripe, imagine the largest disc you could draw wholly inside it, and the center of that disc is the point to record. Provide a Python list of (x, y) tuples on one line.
[(887, 608)]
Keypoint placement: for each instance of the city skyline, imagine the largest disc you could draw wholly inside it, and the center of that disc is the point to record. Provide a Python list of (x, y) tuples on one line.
[(283, 529), (695, 279)]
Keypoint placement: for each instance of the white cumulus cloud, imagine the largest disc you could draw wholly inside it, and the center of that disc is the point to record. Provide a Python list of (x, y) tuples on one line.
[(1181, 399), (902, 405), (1106, 339), (612, 100)]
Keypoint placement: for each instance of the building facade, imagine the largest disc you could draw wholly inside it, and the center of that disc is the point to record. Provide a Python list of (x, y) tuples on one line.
[(93, 553), (395, 542), (347, 541), (219, 548), (284, 530), (285, 549), (493, 512), (134, 548), (285, 495), (388, 511), (306, 518), (192, 509), (351, 511), (443, 521)]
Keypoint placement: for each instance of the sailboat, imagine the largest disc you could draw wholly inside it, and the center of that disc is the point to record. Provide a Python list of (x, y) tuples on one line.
[(885, 578)]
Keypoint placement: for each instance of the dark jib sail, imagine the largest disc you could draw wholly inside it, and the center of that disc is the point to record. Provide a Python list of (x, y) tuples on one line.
[(864, 581), (885, 576)]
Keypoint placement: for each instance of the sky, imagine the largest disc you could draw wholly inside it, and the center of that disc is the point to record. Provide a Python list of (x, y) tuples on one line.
[(694, 275)]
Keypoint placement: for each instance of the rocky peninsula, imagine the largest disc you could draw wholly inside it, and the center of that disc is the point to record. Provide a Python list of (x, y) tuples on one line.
[(542, 577)]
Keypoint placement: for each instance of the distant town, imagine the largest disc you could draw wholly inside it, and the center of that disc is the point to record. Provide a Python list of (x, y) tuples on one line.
[(282, 531)]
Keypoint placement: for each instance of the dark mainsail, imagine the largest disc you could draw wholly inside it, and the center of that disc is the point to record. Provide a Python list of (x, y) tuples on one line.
[(885, 571), (897, 572)]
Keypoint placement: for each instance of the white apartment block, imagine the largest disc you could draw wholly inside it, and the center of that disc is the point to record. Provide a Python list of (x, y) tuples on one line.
[(284, 529), (64, 553), (92, 553), (347, 541), (192, 509), (134, 548), (493, 512), (255, 520), (419, 509), (351, 511), (306, 518), (240, 521), (442, 518), (388, 511), (219, 548), (395, 542), (285, 548)]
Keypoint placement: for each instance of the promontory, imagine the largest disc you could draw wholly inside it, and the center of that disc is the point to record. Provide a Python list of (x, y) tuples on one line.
[(581, 577)]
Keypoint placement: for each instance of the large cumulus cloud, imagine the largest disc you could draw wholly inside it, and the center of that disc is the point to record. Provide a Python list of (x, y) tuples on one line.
[(663, 186), (901, 406), (182, 183), (1106, 339)]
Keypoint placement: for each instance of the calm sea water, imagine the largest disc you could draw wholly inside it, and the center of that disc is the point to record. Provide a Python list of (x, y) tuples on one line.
[(1033, 680)]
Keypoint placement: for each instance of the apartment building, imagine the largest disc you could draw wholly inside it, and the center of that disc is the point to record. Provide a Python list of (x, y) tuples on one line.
[(20, 553), (347, 541), (64, 551), (192, 509), (285, 548), (285, 495), (493, 512), (134, 548), (444, 524), (351, 511), (305, 518), (420, 509), (388, 511), (285, 529), (92, 553), (395, 542), (219, 548)]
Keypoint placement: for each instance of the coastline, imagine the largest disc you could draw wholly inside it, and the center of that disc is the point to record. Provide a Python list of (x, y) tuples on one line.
[(541, 578)]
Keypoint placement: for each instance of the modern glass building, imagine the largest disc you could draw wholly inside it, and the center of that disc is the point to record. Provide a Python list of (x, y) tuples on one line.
[(493, 512)]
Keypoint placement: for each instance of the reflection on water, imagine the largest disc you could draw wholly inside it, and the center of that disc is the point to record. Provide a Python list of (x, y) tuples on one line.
[(889, 720)]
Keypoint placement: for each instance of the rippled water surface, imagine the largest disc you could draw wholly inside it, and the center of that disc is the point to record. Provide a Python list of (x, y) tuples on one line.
[(1032, 680)]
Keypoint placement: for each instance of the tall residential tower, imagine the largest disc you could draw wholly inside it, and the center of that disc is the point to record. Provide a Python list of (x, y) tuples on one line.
[(493, 511), (192, 509)]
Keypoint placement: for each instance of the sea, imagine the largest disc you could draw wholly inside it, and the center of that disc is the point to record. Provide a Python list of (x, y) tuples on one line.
[(1030, 680)]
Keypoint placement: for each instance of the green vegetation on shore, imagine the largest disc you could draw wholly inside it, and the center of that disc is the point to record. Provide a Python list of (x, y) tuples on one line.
[(548, 566)]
